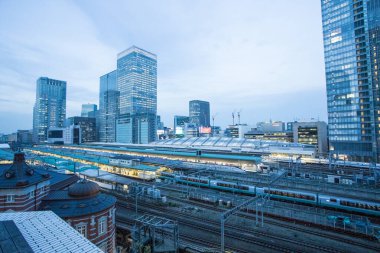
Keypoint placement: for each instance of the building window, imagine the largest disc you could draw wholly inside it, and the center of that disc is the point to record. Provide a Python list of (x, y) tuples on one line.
[(102, 225), (82, 229), (31, 194), (10, 198)]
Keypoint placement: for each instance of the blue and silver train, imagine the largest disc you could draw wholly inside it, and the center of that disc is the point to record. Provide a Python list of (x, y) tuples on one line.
[(345, 204)]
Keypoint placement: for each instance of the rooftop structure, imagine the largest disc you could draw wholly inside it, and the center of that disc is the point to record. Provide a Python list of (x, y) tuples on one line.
[(239, 144), (40, 232)]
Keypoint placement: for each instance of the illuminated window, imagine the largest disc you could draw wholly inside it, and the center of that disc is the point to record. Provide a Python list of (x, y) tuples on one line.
[(336, 39)]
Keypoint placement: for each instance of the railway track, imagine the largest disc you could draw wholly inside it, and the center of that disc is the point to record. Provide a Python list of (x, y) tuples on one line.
[(200, 225), (185, 241), (239, 233), (282, 224)]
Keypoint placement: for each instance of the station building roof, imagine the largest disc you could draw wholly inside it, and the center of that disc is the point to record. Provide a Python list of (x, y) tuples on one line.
[(11, 239), (41, 231), (92, 158), (19, 174), (6, 154), (229, 143), (172, 151), (106, 176), (81, 199)]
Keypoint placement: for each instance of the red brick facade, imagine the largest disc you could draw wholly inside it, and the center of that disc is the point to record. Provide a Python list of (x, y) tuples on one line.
[(104, 240), (23, 199)]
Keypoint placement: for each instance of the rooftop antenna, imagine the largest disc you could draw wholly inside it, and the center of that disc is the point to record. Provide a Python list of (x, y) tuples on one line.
[(238, 114), (233, 118)]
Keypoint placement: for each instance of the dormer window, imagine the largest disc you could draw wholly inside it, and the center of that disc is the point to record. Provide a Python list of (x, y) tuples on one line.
[(10, 198)]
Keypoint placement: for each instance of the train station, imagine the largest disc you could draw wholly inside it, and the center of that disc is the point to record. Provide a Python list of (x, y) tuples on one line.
[(241, 194)]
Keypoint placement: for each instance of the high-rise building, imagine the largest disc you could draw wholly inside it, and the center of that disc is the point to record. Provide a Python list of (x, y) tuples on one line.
[(199, 113), (87, 127), (137, 83), (108, 107), (50, 107), (160, 124), (25, 136), (179, 124), (314, 133), (88, 108), (271, 126), (351, 34)]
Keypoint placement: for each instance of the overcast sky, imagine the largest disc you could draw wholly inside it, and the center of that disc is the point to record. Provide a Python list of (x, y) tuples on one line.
[(262, 57)]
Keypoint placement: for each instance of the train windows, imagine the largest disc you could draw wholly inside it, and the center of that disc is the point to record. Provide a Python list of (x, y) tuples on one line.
[(333, 200)]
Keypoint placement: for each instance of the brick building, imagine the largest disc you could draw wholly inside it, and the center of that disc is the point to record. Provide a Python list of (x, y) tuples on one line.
[(22, 187), (89, 211)]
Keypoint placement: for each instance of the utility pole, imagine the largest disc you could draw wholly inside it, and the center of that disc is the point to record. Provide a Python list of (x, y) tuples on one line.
[(213, 124)]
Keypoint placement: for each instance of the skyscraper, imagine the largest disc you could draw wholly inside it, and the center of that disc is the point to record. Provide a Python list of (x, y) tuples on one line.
[(88, 108), (351, 42), (137, 83), (108, 107), (50, 107), (87, 127), (179, 124), (199, 113)]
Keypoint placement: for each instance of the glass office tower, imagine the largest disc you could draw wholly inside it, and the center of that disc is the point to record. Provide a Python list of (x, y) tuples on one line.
[(108, 107), (350, 34), (199, 113), (88, 108), (137, 83), (50, 107)]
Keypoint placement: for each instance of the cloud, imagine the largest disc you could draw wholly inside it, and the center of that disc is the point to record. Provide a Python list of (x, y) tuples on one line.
[(242, 54)]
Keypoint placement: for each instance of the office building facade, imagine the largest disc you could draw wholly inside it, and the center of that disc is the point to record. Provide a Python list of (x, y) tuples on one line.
[(108, 107), (25, 137), (50, 107), (137, 84), (351, 44), (313, 133), (87, 109), (271, 126), (199, 113), (87, 127), (179, 124)]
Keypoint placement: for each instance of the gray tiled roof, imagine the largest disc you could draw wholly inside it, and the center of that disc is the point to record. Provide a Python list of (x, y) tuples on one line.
[(64, 205)]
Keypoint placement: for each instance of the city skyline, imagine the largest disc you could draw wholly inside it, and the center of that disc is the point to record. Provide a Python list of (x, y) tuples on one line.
[(207, 59)]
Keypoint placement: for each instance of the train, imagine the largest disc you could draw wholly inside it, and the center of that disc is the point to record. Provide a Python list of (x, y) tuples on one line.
[(323, 200)]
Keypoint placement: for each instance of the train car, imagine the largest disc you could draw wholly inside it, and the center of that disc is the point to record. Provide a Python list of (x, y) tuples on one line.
[(350, 205), (168, 176), (232, 187), (197, 181), (298, 196)]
